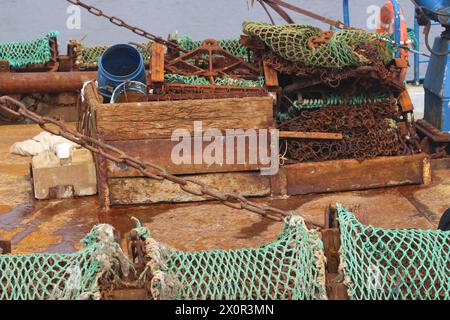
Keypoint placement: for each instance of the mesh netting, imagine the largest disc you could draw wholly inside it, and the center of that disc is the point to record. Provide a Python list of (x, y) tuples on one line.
[(233, 46), (291, 267), (178, 78), (89, 56), (224, 81), (24, 53), (292, 43), (393, 264), (64, 276)]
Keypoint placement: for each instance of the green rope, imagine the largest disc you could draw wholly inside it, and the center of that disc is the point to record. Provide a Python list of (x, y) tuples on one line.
[(393, 264), (30, 52)]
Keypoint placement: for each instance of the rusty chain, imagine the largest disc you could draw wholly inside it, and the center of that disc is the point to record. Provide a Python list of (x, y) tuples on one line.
[(148, 169), (121, 23)]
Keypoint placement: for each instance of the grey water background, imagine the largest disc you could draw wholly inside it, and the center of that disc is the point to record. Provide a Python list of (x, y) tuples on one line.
[(200, 19)]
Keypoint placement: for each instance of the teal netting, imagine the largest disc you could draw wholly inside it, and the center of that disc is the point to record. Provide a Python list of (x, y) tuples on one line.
[(224, 81), (291, 267), (233, 46), (393, 264), (292, 42), (329, 101), (73, 276), (89, 56), (30, 52)]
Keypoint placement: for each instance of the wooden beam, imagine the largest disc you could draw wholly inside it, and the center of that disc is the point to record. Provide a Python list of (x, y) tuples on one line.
[(270, 76), (348, 175), (310, 135), (153, 120), (159, 152), (405, 102), (157, 67), (134, 191), (129, 294)]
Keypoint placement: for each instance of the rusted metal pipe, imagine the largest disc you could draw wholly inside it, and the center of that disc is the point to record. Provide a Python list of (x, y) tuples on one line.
[(43, 82)]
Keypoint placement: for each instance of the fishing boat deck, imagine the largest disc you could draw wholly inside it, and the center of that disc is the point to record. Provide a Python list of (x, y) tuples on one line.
[(58, 225)]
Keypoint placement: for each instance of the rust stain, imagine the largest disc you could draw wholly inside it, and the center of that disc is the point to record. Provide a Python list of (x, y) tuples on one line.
[(16, 170), (35, 242), (4, 209), (8, 235)]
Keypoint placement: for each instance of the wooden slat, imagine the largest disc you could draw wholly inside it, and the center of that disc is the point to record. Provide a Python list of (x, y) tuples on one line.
[(270, 76), (129, 294), (153, 120), (159, 151), (157, 73), (133, 191), (344, 175), (311, 135), (5, 247)]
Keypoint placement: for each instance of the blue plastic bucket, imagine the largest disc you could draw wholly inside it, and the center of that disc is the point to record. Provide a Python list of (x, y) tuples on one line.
[(118, 64)]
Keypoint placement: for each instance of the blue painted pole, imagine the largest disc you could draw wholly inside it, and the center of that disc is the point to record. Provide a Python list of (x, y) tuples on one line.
[(416, 55), (397, 24), (346, 13)]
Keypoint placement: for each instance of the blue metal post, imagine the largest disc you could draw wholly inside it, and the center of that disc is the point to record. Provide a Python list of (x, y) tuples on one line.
[(416, 55), (397, 24), (346, 13)]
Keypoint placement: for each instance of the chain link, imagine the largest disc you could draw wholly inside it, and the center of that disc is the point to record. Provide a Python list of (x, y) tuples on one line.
[(148, 169), (121, 23)]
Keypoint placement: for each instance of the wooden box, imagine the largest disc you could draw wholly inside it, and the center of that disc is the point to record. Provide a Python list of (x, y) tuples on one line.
[(144, 130)]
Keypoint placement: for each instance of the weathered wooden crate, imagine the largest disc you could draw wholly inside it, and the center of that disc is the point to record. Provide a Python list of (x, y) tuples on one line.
[(144, 130)]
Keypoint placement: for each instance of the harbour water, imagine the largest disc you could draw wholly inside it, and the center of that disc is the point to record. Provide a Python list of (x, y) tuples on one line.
[(200, 19)]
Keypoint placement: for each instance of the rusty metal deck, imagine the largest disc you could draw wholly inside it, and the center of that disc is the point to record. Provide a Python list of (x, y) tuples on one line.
[(57, 226)]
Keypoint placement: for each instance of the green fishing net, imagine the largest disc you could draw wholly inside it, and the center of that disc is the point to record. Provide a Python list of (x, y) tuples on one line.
[(71, 276), (329, 101), (291, 42), (224, 81), (393, 264), (233, 46), (31, 52), (292, 267), (89, 56)]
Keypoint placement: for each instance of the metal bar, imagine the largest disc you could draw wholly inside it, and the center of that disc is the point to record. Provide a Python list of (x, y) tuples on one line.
[(346, 12), (337, 24), (48, 82), (310, 135)]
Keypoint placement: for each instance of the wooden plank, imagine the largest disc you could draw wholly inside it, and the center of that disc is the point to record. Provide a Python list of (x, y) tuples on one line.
[(5, 247), (311, 135), (157, 70), (159, 151), (331, 243), (405, 102), (345, 175), (129, 294), (336, 290), (152, 120), (132, 191), (279, 183), (270, 76)]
